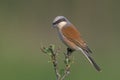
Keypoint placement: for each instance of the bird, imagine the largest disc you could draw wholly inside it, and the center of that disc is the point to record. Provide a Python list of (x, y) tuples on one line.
[(71, 37)]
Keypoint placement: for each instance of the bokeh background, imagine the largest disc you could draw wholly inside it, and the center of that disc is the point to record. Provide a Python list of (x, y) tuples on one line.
[(26, 25)]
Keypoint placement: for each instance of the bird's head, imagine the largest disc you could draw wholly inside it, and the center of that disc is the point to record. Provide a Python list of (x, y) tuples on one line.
[(60, 21)]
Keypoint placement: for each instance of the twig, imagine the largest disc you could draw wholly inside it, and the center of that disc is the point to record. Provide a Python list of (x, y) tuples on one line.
[(67, 63), (50, 51), (55, 64)]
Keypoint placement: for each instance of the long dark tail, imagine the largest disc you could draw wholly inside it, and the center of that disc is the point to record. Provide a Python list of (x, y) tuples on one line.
[(94, 64), (87, 55)]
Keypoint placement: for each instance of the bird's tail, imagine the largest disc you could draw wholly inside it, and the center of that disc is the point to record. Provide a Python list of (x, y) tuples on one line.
[(94, 64), (87, 55)]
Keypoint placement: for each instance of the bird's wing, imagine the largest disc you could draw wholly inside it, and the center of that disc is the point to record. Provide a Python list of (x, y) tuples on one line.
[(72, 34)]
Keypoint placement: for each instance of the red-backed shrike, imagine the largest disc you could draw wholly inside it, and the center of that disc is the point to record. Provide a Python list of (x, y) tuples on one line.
[(70, 36)]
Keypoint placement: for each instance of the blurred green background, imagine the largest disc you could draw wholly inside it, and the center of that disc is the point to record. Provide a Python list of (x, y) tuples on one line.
[(26, 25)]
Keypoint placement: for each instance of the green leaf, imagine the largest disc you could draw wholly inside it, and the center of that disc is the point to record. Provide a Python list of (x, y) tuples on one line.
[(46, 51), (67, 61)]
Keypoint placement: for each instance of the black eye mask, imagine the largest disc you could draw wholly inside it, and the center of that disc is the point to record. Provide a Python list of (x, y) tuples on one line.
[(60, 20)]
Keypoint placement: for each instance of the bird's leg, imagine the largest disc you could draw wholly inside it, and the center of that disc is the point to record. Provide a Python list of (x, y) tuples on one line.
[(69, 51)]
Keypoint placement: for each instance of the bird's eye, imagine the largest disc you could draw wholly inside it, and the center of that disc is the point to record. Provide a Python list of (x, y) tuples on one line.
[(54, 23)]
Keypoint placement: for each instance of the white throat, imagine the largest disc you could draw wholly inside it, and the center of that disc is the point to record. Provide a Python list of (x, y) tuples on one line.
[(61, 24)]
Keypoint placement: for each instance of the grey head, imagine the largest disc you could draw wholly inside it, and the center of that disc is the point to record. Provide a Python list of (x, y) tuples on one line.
[(60, 19)]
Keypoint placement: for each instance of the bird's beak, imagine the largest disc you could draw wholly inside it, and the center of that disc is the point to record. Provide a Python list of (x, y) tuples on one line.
[(54, 24)]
